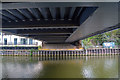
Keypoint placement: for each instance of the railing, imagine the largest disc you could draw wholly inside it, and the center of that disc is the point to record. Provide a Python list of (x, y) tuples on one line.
[(19, 45), (87, 52), (103, 51)]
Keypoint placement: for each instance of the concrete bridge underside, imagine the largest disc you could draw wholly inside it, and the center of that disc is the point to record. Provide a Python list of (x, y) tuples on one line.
[(61, 23)]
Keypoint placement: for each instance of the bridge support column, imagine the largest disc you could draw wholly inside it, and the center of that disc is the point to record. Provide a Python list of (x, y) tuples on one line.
[(78, 44)]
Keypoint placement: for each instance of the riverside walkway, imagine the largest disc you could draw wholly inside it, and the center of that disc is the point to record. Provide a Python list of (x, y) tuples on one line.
[(62, 52)]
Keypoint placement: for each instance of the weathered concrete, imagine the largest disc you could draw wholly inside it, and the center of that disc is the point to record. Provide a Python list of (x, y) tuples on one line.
[(58, 46), (78, 44), (60, 0), (103, 19)]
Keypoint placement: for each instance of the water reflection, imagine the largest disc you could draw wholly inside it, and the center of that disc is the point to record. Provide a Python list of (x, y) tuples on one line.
[(60, 67)]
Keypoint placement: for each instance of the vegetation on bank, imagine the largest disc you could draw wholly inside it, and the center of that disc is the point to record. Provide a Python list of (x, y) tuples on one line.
[(34, 50), (98, 40)]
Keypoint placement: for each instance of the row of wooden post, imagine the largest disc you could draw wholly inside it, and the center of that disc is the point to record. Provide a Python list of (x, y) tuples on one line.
[(48, 53)]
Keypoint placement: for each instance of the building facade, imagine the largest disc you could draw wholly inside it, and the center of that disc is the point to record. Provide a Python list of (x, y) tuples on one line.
[(13, 40)]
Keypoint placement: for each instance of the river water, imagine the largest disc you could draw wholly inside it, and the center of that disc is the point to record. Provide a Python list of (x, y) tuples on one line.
[(60, 67)]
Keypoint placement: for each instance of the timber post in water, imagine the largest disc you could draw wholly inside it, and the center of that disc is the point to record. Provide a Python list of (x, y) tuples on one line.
[(62, 52)]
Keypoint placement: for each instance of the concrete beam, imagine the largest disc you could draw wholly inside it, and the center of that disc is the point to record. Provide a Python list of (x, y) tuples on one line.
[(43, 4), (47, 4), (46, 36), (50, 38), (39, 23), (39, 31), (60, 0), (103, 19)]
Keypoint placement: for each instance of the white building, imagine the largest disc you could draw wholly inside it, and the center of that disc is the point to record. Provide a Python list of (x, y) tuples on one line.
[(13, 40)]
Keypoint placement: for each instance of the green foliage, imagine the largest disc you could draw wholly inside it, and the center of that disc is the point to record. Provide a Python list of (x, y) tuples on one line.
[(98, 40), (39, 47), (15, 46), (31, 52)]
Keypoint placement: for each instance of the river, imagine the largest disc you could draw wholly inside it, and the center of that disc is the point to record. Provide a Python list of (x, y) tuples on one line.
[(60, 67)]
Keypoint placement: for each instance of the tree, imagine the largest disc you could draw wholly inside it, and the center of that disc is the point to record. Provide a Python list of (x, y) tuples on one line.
[(98, 40)]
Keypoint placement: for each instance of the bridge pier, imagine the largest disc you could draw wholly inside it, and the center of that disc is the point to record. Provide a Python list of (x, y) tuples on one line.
[(58, 46), (77, 44)]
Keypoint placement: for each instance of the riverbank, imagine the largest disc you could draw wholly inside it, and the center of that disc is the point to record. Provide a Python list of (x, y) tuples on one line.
[(54, 53)]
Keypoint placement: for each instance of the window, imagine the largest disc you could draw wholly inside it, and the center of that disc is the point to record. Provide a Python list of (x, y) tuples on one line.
[(30, 41), (0, 41), (15, 41), (23, 41), (36, 43), (5, 41)]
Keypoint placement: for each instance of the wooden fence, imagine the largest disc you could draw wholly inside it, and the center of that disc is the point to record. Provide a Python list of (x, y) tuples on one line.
[(87, 52)]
